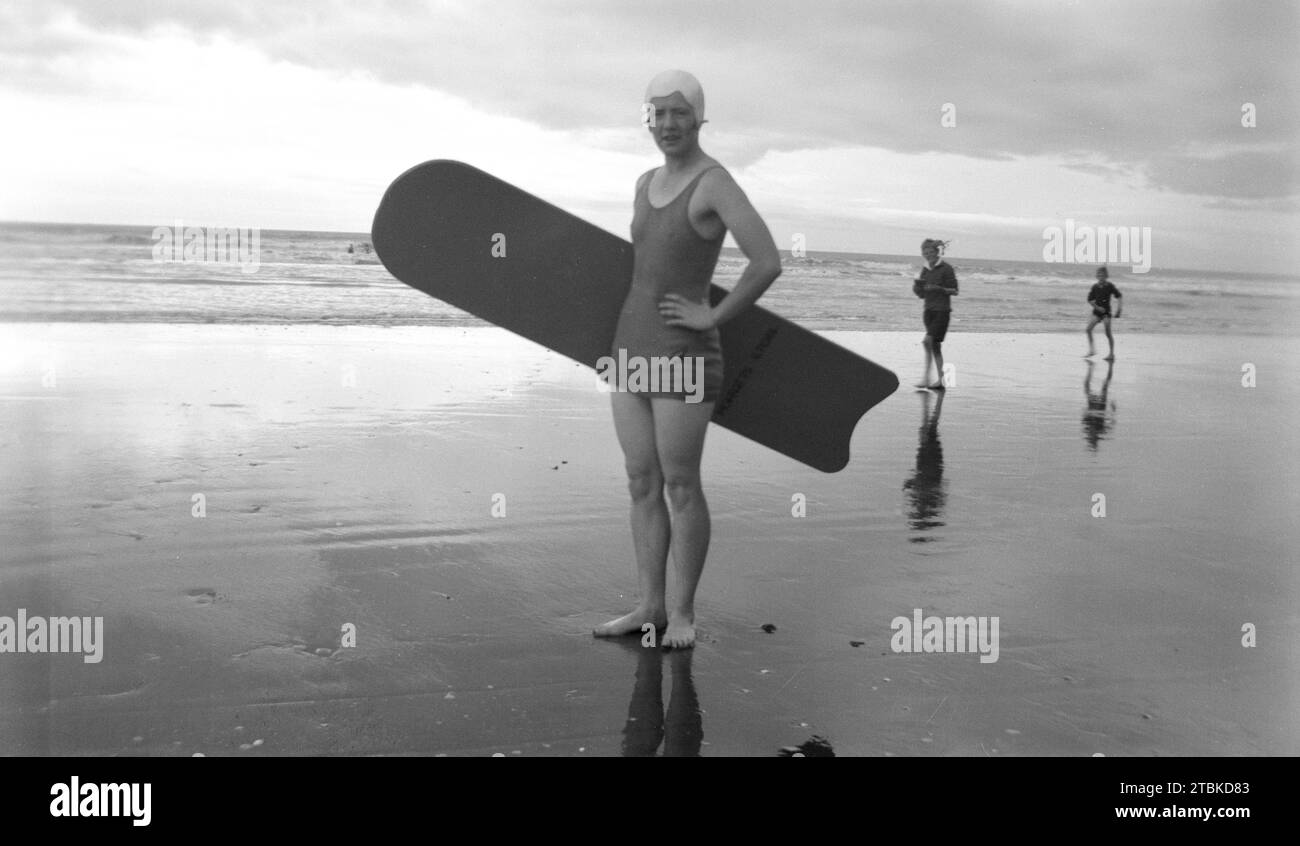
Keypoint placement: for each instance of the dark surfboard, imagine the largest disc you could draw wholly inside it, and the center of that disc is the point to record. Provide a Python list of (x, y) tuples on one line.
[(562, 282)]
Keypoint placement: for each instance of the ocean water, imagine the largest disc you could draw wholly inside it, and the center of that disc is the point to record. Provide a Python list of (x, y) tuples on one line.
[(97, 273)]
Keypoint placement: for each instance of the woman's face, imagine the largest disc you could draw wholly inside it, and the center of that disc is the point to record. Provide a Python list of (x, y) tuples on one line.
[(674, 128), (930, 254)]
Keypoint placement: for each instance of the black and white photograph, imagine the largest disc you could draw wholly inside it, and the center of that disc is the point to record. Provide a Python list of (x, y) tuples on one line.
[(674, 379)]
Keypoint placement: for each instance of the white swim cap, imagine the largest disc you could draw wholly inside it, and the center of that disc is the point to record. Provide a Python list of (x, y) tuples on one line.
[(681, 82)]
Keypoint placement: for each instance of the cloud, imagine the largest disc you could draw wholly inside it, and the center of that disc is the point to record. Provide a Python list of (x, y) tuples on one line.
[(1103, 107), (1284, 205), (1121, 81), (1236, 176)]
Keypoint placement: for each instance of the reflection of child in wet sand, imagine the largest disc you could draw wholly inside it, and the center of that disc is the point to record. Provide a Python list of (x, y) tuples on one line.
[(1099, 299), (925, 489), (1096, 422)]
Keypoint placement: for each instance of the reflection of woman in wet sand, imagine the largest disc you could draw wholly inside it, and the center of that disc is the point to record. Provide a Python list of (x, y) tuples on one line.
[(1096, 421), (925, 489), (681, 729)]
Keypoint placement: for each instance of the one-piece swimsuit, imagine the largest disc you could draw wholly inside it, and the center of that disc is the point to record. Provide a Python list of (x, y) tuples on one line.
[(669, 257)]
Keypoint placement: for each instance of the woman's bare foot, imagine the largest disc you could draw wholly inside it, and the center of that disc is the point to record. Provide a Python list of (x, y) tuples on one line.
[(681, 632), (631, 623)]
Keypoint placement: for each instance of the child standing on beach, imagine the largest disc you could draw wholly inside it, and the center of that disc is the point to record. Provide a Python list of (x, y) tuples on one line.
[(1099, 299), (937, 285)]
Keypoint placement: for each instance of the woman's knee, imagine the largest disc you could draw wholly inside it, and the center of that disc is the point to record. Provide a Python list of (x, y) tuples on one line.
[(644, 482), (683, 488)]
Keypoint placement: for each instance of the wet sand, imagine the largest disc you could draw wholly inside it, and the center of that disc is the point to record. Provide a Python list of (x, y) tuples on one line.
[(349, 476)]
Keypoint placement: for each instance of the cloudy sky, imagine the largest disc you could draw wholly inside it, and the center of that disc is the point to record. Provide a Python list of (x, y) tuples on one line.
[(297, 115)]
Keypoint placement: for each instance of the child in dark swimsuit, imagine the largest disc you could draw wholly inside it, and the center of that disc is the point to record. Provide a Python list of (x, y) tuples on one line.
[(937, 285), (1099, 298)]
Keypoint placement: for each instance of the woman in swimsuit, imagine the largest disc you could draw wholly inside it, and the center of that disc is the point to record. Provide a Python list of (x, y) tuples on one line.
[(681, 213)]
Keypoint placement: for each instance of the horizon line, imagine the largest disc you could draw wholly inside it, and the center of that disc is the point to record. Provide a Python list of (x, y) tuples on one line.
[(1122, 266)]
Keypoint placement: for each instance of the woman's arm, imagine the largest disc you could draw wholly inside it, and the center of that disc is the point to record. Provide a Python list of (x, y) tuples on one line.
[(723, 197), (752, 237)]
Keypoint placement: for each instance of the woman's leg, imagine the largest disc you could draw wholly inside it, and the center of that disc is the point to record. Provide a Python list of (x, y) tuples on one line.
[(679, 436), (634, 424)]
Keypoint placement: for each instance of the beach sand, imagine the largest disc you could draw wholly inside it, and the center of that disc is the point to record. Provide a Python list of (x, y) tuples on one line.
[(349, 476)]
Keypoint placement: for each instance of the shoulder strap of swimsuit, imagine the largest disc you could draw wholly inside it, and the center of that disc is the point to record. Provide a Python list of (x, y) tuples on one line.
[(706, 170), (689, 190)]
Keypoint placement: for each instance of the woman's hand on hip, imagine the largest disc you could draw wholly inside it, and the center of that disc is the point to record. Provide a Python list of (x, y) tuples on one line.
[(676, 310)]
